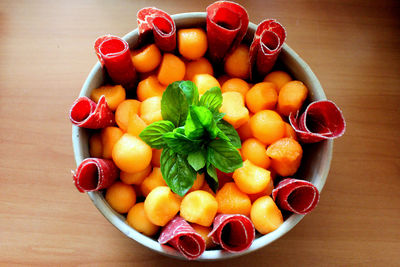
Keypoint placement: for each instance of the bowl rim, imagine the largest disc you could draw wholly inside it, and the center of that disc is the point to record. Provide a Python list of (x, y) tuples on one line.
[(209, 255)]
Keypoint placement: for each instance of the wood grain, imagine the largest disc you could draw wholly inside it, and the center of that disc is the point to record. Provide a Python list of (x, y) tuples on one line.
[(45, 55)]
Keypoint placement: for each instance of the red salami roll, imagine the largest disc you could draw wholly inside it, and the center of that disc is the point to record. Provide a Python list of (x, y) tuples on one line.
[(321, 120), (94, 174), (227, 24), (266, 46), (85, 113), (162, 26), (297, 196), (234, 232), (183, 237), (113, 53)]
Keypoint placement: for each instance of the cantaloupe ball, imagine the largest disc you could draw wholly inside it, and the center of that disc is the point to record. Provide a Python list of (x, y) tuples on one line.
[(161, 205), (255, 151), (237, 64), (124, 112), (204, 231), (291, 97), (244, 131), (204, 82), (199, 207), (265, 215), (235, 85), (131, 154), (138, 220), (147, 58), (289, 131), (155, 160), (279, 78), (109, 137), (236, 112), (285, 154), (150, 110), (199, 66), (114, 95), (207, 188), (95, 146), (192, 43), (152, 181), (223, 78), (233, 201), (266, 192), (261, 96), (251, 179), (172, 69), (267, 126), (149, 87), (121, 197), (135, 125), (136, 177)]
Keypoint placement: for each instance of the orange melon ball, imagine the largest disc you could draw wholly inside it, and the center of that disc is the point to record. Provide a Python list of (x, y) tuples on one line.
[(285, 154), (109, 136), (147, 58), (152, 181), (235, 85), (192, 43), (244, 131), (289, 131), (265, 215), (256, 152), (135, 177), (124, 111), (204, 82), (233, 105), (198, 183), (199, 66), (279, 78), (261, 96), (172, 69), (251, 179), (121, 197), (207, 188), (267, 126), (291, 97), (149, 87), (222, 79), (95, 146), (237, 64), (204, 231), (155, 160), (199, 207), (266, 192), (232, 201), (161, 205), (135, 125), (150, 110), (114, 95), (131, 154), (138, 220)]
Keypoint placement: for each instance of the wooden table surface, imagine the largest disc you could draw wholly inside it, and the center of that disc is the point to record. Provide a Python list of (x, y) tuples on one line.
[(45, 56)]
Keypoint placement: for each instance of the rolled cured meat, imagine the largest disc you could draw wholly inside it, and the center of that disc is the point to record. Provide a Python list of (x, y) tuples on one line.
[(86, 113), (234, 232), (227, 24), (162, 26), (266, 46), (321, 120), (295, 195), (114, 54), (179, 234), (94, 174)]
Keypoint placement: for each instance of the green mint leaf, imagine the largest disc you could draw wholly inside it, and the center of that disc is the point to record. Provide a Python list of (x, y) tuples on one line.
[(223, 155), (193, 128), (153, 134), (179, 143), (200, 118), (197, 159), (212, 99), (177, 172), (229, 132), (191, 92), (218, 116), (174, 105), (212, 178)]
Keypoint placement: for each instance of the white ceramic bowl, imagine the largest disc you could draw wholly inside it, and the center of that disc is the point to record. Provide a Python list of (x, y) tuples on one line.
[(315, 163)]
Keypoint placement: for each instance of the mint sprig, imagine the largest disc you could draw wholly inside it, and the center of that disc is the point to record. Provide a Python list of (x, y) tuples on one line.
[(193, 136)]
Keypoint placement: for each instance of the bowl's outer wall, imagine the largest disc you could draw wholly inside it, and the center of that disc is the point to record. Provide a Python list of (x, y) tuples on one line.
[(315, 165)]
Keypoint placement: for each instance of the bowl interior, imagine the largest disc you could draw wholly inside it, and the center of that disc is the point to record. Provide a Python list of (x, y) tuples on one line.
[(314, 168)]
